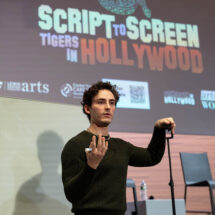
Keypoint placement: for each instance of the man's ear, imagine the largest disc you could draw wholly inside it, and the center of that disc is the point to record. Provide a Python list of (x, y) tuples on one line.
[(87, 109)]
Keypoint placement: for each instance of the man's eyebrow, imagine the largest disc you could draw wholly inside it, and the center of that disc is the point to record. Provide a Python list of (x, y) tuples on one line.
[(104, 99), (100, 99)]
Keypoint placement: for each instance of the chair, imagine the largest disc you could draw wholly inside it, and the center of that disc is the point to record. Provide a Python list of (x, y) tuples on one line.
[(130, 183), (196, 171)]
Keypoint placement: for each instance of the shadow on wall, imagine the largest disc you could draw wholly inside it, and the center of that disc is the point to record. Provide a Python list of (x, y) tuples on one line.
[(43, 194)]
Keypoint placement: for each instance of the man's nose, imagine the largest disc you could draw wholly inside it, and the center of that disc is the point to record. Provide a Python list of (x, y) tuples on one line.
[(107, 106)]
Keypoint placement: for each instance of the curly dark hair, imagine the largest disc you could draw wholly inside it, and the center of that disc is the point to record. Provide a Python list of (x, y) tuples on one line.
[(90, 93)]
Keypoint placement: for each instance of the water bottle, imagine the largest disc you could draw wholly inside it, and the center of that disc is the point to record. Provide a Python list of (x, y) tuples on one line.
[(143, 191)]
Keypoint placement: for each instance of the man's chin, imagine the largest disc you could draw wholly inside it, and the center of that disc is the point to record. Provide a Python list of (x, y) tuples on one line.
[(105, 123)]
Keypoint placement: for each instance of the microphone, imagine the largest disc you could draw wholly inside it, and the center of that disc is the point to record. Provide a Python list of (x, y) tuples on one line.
[(168, 130), (88, 149)]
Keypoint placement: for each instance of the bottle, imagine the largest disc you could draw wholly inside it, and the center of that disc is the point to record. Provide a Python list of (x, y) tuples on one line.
[(143, 191)]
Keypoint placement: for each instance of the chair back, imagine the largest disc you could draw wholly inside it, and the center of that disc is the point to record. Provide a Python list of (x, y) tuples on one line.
[(195, 167)]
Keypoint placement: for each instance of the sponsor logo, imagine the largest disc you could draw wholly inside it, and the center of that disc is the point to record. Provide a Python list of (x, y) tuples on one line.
[(75, 90), (27, 87), (1, 84), (66, 90), (179, 98), (208, 99), (125, 7), (133, 94)]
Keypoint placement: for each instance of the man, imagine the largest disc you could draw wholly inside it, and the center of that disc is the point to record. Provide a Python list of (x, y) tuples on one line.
[(94, 165)]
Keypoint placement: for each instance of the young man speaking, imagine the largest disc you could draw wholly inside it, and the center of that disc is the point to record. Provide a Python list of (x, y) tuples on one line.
[(94, 165)]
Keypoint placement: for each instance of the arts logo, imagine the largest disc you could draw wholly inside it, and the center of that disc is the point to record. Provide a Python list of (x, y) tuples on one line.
[(208, 99), (27, 87), (125, 7), (179, 98), (75, 90)]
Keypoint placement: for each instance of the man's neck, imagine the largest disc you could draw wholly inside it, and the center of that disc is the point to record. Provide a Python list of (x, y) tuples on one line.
[(98, 130)]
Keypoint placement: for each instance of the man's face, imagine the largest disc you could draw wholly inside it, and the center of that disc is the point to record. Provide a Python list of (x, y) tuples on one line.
[(102, 108)]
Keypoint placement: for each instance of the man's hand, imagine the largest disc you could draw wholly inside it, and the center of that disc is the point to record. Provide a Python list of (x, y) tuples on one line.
[(166, 123), (98, 152)]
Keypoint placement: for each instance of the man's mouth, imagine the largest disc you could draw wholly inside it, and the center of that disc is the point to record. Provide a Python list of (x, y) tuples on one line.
[(107, 114)]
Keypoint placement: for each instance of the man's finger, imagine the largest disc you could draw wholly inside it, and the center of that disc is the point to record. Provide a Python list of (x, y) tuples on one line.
[(103, 145), (93, 144), (99, 145), (106, 145), (103, 142)]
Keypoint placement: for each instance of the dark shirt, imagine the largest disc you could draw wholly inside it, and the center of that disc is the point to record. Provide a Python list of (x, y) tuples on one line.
[(105, 187)]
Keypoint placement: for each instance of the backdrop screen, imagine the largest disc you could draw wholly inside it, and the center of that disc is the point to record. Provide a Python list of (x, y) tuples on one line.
[(159, 54)]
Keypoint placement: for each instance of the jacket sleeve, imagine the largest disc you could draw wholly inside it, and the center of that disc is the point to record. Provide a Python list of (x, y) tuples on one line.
[(150, 156), (76, 174)]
